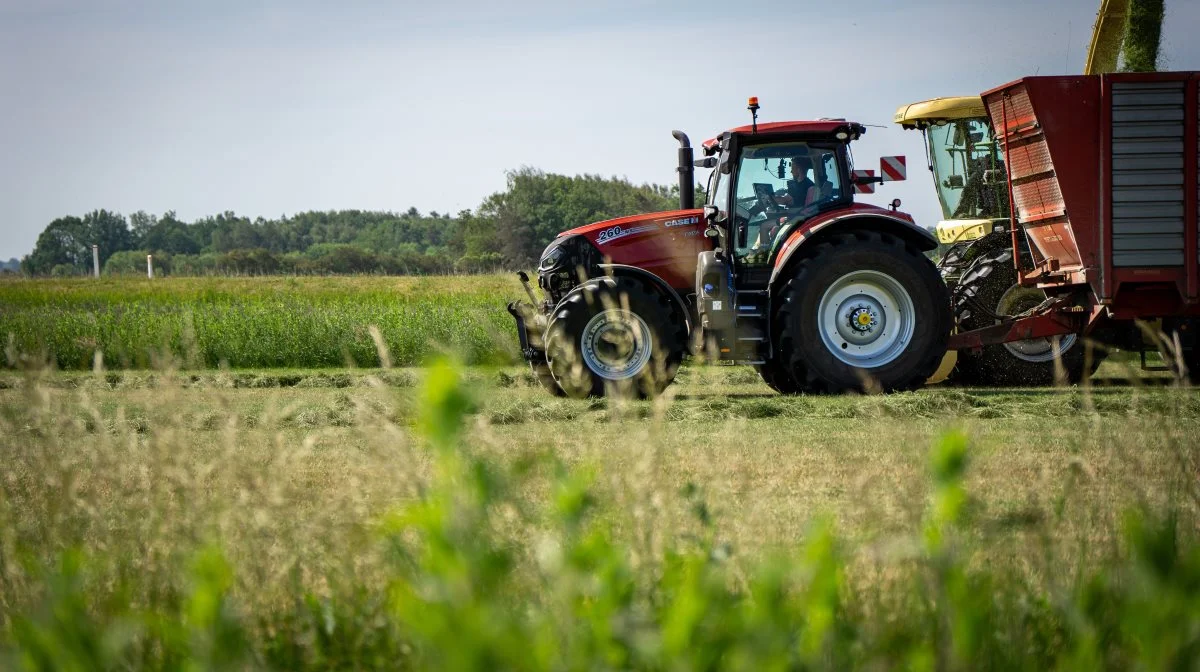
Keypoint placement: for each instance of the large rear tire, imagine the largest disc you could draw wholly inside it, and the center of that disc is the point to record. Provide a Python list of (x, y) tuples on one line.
[(614, 337), (777, 377), (863, 311), (989, 285)]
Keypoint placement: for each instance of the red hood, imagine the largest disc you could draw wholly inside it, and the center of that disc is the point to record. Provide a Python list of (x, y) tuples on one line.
[(658, 219), (664, 243)]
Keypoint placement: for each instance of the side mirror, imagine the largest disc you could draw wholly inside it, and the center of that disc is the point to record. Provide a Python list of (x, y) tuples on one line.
[(706, 162)]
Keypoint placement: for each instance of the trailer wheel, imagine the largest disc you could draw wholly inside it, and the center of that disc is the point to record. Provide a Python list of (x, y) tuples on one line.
[(616, 337), (989, 285), (863, 311)]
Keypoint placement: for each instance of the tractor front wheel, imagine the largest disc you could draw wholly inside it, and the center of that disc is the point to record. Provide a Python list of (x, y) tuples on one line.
[(614, 336)]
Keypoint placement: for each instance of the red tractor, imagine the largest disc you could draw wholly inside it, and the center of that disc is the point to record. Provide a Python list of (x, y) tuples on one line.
[(781, 269)]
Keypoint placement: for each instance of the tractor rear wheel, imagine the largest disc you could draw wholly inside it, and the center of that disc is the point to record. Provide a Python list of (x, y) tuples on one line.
[(863, 311), (988, 288), (614, 336), (777, 377)]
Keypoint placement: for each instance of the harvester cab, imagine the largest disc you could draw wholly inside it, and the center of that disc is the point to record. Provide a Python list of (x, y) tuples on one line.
[(966, 162), (781, 269)]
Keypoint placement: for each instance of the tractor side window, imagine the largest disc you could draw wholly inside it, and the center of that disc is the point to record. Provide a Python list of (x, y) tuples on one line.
[(779, 186), (772, 180), (718, 190), (827, 179)]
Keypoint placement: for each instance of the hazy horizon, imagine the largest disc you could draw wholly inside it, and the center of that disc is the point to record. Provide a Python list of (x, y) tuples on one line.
[(271, 108)]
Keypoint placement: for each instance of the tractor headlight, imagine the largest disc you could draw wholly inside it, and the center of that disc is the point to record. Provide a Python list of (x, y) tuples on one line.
[(553, 256)]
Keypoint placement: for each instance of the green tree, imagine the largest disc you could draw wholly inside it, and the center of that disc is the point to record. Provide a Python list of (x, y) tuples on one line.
[(109, 231), (64, 242), (168, 234), (140, 223), (509, 228)]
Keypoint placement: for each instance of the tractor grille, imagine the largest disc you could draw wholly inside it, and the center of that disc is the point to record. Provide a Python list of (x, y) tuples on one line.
[(1147, 173)]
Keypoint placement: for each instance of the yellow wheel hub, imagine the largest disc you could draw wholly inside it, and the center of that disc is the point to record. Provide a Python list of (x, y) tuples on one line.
[(864, 319)]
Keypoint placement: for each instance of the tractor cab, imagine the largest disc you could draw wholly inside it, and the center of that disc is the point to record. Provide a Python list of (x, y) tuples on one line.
[(779, 193), (769, 180)]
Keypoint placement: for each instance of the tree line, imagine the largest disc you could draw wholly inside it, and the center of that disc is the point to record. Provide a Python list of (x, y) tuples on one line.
[(509, 229)]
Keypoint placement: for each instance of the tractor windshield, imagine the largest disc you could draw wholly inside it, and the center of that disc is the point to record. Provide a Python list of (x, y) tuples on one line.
[(779, 185), (968, 169)]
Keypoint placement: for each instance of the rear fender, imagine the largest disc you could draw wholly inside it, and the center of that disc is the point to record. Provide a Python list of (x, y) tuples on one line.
[(896, 226)]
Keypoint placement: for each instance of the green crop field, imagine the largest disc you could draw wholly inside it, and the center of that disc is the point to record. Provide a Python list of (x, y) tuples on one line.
[(259, 322), (179, 514)]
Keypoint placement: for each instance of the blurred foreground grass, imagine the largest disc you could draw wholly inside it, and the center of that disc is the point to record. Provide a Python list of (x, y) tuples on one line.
[(418, 519)]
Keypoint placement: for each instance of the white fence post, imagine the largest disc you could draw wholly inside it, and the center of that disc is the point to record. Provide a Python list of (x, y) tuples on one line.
[(96, 260), (150, 266)]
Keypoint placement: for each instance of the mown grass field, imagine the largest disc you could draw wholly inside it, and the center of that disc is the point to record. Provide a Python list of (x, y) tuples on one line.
[(337, 518), (301, 518)]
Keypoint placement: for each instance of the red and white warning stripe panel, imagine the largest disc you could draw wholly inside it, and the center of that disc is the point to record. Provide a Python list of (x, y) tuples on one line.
[(892, 168), (867, 188)]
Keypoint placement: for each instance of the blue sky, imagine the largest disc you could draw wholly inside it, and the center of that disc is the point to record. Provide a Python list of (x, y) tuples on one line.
[(270, 107)]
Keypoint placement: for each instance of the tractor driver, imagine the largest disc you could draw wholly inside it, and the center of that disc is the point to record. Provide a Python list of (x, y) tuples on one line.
[(798, 187), (801, 192)]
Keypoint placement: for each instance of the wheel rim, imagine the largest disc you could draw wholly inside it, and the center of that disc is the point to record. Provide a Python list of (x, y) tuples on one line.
[(866, 318), (1017, 300), (616, 344)]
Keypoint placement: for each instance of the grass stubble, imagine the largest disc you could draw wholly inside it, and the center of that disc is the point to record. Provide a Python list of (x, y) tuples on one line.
[(193, 514), (406, 518)]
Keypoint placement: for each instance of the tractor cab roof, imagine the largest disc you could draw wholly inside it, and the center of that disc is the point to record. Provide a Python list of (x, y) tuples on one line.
[(827, 127)]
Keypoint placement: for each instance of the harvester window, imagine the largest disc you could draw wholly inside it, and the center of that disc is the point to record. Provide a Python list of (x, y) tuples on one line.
[(968, 166)]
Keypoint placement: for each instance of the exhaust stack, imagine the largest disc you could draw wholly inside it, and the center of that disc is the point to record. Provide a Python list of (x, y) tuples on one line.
[(687, 182)]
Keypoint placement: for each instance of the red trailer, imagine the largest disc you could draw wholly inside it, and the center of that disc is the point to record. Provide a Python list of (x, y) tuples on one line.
[(1102, 178)]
